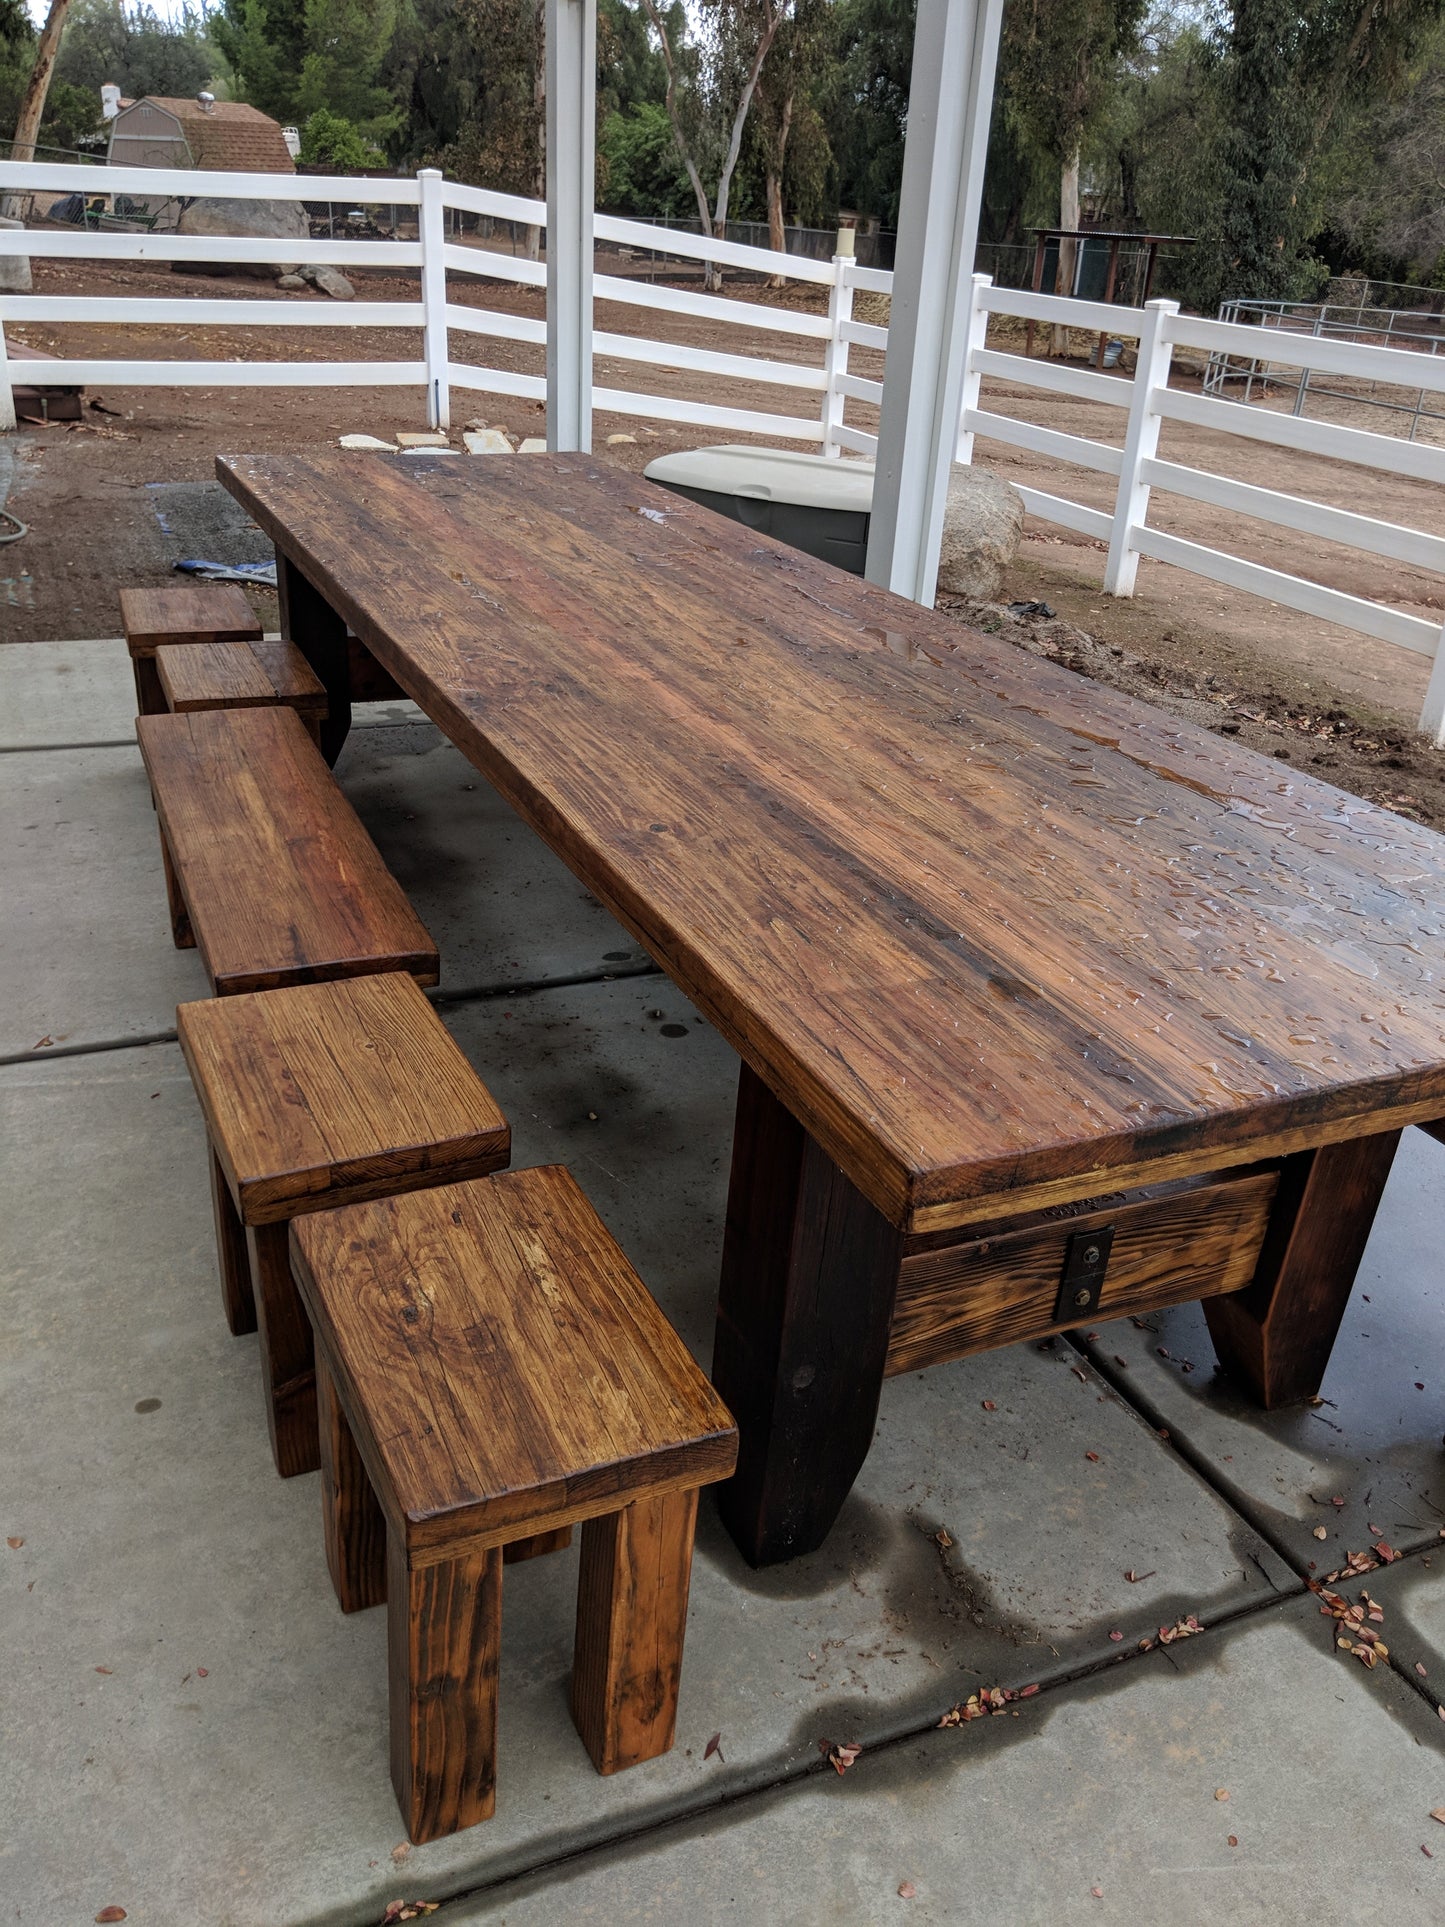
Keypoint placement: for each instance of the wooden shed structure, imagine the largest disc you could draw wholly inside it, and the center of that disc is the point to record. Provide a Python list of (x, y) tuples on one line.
[(160, 131)]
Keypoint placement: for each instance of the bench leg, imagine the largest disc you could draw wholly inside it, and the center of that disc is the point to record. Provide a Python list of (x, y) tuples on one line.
[(1278, 1332), (181, 933), (352, 1521), (537, 1546), (288, 1371), (308, 620), (631, 1620), (444, 1636), (231, 1249), (150, 698)]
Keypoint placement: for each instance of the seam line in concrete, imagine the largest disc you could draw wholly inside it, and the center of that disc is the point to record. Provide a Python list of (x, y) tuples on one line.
[(815, 1769), (464, 994), (44, 749)]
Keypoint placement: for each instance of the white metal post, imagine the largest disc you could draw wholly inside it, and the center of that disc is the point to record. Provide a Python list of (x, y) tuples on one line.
[(1141, 442), (432, 232), (835, 355), (7, 393), (955, 52), (1432, 716), (975, 336), (571, 194)]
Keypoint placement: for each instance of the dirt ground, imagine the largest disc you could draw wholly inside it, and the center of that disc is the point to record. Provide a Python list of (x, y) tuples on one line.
[(1338, 704)]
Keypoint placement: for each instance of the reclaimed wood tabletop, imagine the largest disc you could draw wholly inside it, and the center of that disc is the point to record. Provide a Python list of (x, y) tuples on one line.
[(996, 938)]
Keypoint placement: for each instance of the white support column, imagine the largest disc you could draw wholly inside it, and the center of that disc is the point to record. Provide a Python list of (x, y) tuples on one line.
[(431, 230), (835, 356), (1141, 443), (1432, 716), (975, 335), (955, 52), (7, 393), (571, 193)]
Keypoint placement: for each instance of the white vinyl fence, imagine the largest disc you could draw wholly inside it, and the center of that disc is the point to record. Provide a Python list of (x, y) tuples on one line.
[(818, 367)]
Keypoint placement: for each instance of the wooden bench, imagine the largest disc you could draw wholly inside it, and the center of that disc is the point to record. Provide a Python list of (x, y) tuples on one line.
[(268, 868), (189, 612), (490, 1368), (322, 1095), (241, 675)]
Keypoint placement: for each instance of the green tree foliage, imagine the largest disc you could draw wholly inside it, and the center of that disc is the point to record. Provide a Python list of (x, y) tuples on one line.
[(293, 60), (1387, 216), (330, 140), (864, 96), (639, 170), (136, 48)]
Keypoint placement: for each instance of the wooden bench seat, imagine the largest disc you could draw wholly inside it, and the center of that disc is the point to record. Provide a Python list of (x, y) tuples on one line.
[(183, 612), (322, 1095), (489, 1367), (268, 868), (241, 675)]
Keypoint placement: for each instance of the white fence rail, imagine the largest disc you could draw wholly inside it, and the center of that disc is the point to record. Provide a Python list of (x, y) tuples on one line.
[(816, 368)]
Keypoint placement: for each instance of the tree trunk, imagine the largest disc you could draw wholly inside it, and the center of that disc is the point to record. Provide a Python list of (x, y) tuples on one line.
[(1068, 250), (533, 241), (777, 228), (745, 101), (37, 89)]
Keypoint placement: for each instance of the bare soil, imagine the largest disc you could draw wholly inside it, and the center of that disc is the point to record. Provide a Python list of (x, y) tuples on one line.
[(1340, 705)]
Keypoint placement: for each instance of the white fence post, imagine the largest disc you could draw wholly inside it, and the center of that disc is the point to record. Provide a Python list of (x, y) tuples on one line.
[(432, 233), (975, 335), (571, 193), (835, 355), (1141, 440), (1432, 716), (7, 393), (955, 52)]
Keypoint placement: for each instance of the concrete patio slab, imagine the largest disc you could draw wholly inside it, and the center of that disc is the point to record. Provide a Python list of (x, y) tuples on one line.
[(1100, 1804), (1375, 1442), (501, 907), (55, 695), (85, 947), (1412, 1594), (158, 1542), (85, 942)]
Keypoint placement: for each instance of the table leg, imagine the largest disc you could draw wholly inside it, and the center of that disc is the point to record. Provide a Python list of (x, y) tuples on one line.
[(308, 620), (1277, 1334), (809, 1273)]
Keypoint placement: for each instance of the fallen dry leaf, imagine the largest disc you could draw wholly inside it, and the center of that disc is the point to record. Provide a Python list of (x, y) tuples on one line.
[(1181, 1629), (714, 1745), (103, 1669), (201, 1673), (1420, 1667), (111, 1913), (1097, 1892), (989, 1700), (1426, 1851), (989, 1406), (15, 1544), (407, 1910), (1116, 1637), (1438, 1813), (841, 1757), (1221, 1793), (1234, 1840), (1320, 1533), (943, 1538), (402, 1851), (1093, 1457), (907, 1890), (1138, 1578)]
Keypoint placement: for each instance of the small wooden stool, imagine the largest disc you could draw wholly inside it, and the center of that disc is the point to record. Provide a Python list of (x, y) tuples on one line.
[(489, 1368), (316, 1096), (241, 675), (186, 612)]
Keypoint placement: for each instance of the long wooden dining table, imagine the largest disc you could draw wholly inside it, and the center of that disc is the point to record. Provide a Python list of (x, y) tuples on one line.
[(1050, 1008)]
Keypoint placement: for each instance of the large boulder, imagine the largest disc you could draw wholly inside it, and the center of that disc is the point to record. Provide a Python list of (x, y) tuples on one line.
[(256, 220), (14, 268), (982, 524), (329, 280)]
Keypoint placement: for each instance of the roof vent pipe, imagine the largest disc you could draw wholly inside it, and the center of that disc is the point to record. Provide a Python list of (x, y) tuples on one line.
[(206, 102)]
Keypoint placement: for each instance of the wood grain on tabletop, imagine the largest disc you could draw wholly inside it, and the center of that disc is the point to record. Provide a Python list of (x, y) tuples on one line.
[(981, 924), (503, 1367), (280, 879), (191, 612), (330, 1093)]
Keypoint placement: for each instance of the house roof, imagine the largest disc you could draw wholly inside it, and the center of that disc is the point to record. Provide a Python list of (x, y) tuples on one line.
[(228, 134)]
